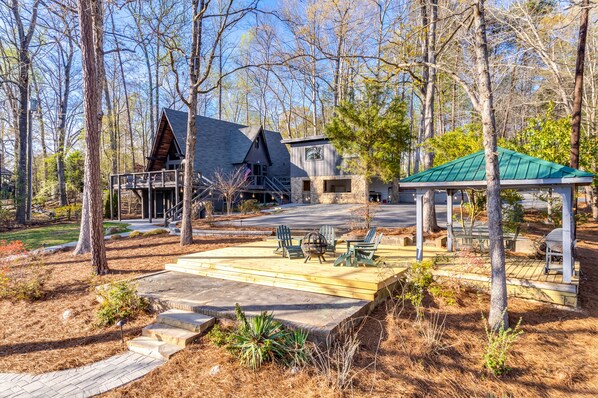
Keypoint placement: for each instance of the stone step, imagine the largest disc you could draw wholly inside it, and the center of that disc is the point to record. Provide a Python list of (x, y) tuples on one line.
[(169, 334), (187, 320), (153, 348)]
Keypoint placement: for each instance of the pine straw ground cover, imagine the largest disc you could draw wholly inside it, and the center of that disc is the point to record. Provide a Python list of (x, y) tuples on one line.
[(557, 356), (34, 337)]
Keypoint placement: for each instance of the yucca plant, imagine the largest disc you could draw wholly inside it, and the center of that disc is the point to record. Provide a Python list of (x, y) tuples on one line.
[(299, 351), (260, 339)]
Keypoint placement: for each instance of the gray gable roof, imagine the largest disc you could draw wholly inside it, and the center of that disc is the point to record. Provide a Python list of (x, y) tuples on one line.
[(222, 144)]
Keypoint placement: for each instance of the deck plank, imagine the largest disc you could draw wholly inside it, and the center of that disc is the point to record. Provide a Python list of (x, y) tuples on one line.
[(256, 262)]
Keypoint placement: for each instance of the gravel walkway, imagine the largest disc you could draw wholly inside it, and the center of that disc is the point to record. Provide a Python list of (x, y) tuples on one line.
[(85, 381)]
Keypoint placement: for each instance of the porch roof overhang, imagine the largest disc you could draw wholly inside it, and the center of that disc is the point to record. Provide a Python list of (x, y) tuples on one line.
[(516, 184), (516, 170)]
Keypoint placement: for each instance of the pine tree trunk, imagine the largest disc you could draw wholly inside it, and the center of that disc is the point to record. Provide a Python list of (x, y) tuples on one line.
[(21, 180), (578, 89), (430, 223), (594, 201), (498, 296), (425, 79), (92, 58)]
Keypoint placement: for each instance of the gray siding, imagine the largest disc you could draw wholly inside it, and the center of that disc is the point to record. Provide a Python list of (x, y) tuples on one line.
[(329, 166), (257, 155)]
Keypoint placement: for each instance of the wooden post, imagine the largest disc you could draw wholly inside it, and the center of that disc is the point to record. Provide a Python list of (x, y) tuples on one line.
[(143, 198), (149, 198), (449, 220), (419, 224), (110, 191), (566, 193), (118, 200), (176, 187), (164, 206)]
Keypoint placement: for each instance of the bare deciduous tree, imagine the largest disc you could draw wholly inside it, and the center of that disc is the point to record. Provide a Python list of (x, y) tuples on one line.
[(229, 185), (24, 36)]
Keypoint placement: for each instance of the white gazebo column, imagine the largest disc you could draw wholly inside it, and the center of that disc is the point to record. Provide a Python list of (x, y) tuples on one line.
[(449, 220), (566, 193), (419, 224)]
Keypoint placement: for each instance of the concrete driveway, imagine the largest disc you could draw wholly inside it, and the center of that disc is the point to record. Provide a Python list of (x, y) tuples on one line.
[(341, 216)]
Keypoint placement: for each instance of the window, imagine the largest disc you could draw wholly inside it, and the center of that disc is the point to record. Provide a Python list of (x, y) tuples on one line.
[(256, 143), (337, 186), (314, 153), (306, 185)]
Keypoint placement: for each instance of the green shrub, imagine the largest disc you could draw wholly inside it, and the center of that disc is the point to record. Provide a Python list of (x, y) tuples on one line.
[(262, 339), (512, 210), (249, 206), (25, 281), (68, 212), (443, 293), (419, 278), (159, 231), (119, 301), (219, 337), (135, 234), (498, 345)]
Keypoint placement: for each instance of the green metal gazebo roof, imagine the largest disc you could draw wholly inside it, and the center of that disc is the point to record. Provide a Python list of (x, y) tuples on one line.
[(516, 169)]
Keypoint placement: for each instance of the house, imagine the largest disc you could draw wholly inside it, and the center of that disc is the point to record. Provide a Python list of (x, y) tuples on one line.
[(220, 145), (318, 176)]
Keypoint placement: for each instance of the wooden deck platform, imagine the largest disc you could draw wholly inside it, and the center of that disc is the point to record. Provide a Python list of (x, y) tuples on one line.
[(256, 263), (525, 278)]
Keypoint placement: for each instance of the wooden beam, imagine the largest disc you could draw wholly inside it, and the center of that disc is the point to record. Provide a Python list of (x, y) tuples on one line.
[(176, 187), (143, 198), (449, 220), (110, 192), (419, 224), (149, 199), (566, 193), (118, 200), (164, 206)]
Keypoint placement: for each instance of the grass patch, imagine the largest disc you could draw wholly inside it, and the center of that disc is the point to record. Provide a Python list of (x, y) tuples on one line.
[(50, 235)]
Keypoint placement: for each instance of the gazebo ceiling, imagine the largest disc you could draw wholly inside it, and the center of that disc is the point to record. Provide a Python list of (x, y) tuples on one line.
[(516, 170)]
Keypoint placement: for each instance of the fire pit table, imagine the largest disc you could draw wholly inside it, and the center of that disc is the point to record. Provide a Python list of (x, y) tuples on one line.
[(314, 244)]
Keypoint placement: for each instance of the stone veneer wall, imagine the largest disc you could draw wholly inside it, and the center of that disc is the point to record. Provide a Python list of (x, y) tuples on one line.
[(358, 194)]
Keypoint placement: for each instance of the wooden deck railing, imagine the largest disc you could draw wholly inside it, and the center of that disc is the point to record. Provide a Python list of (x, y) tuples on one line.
[(157, 179)]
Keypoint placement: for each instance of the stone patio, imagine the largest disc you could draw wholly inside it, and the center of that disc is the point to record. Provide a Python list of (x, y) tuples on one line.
[(320, 314)]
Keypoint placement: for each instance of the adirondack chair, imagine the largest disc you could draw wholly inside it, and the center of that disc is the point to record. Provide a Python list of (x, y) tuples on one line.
[(360, 253), (369, 238), (365, 253), (285, 243), (328, 232)]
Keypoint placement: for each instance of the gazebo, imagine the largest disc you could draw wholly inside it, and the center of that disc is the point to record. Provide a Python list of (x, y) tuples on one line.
[(517, 171)]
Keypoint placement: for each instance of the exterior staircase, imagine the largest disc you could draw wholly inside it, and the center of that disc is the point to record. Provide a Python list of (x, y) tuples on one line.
[(171, 333), (202, 194), (280, 189)]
